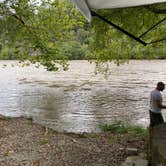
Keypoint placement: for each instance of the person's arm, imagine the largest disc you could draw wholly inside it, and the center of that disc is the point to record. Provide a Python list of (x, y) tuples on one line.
[(159, 104)]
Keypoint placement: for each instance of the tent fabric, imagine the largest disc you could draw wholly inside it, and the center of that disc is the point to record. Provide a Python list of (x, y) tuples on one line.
[(108, 4), (85, 5), (83, 8)]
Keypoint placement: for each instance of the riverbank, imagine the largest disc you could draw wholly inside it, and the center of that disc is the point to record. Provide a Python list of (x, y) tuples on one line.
[(24, 143)]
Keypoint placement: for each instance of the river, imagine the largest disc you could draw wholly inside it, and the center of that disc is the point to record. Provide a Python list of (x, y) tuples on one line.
[(77, 100)]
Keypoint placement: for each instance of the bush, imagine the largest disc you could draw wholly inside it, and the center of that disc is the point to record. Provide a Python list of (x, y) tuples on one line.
[(121, 128)]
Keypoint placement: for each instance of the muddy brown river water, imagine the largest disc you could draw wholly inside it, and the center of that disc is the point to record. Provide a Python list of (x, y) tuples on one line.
[(77, 100)]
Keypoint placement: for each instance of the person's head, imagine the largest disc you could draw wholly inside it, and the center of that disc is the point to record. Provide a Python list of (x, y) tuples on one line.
[(160, 86)]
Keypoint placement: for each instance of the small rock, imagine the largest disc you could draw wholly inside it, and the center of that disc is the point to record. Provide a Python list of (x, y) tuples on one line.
[(132, 151), (130, 161), (10, 152), (141, 162), (142, 155), (121, 148), (132, 158), (127, 164)]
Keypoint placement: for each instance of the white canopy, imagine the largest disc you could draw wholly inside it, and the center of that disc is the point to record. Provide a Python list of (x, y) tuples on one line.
[(85, 5)]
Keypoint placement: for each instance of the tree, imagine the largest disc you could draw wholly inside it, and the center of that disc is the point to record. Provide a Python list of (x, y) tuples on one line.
[(53, 31), (39, 30), (110, 44)]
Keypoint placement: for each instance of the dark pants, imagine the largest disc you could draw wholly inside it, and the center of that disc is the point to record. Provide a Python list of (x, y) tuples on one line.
[(155, 119)]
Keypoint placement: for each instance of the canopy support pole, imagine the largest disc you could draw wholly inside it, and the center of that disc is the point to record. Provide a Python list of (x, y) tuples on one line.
[(156, 41), (118, 28), (152, 27)]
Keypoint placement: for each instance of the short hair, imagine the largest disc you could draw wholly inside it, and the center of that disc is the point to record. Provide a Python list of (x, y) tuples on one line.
[(160, 84)]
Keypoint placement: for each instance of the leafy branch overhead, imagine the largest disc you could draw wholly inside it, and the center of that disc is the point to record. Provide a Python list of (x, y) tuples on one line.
[(157, 9), (38, 31), (53, 31), (110, 44)]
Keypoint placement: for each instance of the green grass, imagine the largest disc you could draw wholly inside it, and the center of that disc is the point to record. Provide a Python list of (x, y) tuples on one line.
[(43, 142), (5, 118), (121, 128)]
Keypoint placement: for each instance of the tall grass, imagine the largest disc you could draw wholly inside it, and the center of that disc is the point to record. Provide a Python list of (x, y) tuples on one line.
[(119, 127)]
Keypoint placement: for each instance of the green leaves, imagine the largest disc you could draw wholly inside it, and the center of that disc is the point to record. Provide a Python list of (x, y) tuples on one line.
[(39, 30), (110, 44), (52, 31)]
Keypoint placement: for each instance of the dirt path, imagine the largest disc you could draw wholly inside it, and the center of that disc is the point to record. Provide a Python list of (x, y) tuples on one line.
[(23, 143)]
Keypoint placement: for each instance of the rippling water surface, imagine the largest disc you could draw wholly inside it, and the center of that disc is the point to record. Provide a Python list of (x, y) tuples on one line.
[(77, 100)]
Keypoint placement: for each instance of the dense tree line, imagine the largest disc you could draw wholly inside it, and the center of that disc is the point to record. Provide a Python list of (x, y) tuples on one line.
[(52, 32), (118, 46)]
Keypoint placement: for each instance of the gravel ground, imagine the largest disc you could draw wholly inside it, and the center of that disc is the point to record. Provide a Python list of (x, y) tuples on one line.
[(23, 143)]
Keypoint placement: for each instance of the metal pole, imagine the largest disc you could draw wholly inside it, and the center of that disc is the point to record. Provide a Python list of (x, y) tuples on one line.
[(119, 28)]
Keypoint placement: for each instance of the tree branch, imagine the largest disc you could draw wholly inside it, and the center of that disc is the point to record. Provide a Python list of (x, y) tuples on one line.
[(18, 18), (156, 10)]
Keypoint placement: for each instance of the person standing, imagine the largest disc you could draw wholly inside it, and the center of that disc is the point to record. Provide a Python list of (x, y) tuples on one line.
[(156, 105)]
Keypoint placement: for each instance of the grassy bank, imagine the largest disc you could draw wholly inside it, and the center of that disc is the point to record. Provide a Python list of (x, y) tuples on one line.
[(119, 127)]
